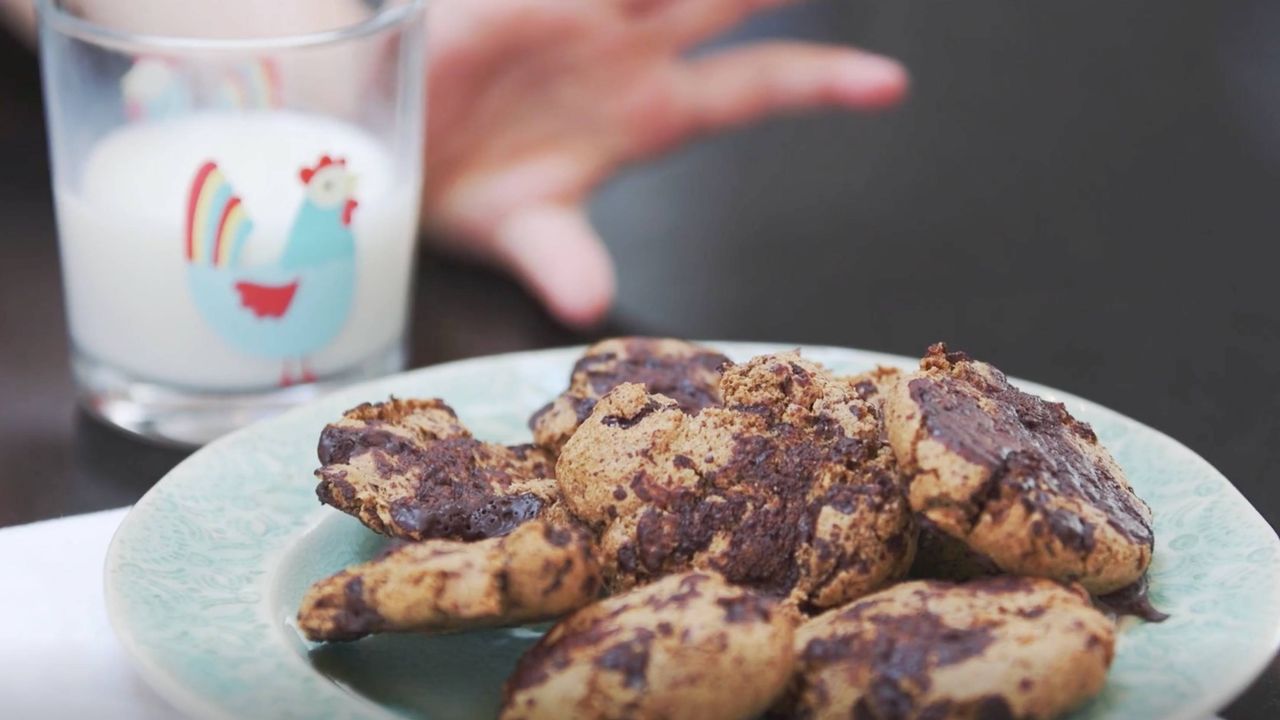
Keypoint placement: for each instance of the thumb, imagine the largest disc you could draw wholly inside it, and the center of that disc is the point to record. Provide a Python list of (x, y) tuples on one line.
[(556, 254)]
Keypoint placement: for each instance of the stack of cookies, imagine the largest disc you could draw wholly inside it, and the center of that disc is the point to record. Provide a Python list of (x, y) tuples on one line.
[(723, 540)]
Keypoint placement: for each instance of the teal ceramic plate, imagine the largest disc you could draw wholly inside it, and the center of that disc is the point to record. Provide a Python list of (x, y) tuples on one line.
[(204, 575)]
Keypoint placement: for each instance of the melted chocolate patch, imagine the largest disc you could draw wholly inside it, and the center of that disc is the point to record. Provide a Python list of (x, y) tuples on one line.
[(457, 482), (627, 559), (464, 517), (622, 422), (1071, 530), (902, 651), (823, 651), (769, 512), (687, 590), (747, 608), (590, 585), (354, 618), (1029, 446), (523, 451), (691, 380), (582, 408), (558, 536), (540, 413), (994, 707), (335, 489), (339, 443), (1133, 600), (558, 575), (885, 698), (631, 658), (761, 500)]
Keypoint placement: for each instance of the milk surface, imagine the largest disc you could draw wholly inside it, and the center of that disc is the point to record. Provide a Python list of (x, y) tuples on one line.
[(122, 232)]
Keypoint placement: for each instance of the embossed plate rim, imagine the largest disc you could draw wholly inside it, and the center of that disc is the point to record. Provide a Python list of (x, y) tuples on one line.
[(182, 677)]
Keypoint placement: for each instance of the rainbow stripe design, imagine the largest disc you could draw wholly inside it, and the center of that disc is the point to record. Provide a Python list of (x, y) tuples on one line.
[(217, 225), (252, 85)]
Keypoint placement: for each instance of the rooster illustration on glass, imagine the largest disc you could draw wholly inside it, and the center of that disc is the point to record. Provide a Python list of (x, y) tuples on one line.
[(293, 306), (225, 251), (216, 266)]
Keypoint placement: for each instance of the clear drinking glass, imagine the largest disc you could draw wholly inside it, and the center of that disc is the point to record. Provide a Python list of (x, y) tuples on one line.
[(237, 188)]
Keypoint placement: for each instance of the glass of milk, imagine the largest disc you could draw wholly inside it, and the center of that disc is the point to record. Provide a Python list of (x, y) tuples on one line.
[(237, 187)]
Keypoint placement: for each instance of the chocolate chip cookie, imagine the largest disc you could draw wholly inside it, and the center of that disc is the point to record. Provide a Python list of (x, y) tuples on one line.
[(872, 385), (687, 373), (538, 572), (787, 488), (1014, 476), (409, 469), (688, 646), (1002, 647)]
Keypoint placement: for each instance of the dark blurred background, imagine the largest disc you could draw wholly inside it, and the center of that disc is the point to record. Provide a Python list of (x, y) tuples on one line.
[(1081, 191), (1086, 192)]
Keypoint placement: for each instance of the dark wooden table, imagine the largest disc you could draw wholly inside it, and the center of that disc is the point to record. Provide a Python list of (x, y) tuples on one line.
[(1158, 271)]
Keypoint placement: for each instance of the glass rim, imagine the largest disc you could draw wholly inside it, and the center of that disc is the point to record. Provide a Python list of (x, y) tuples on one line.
[(52, 16)]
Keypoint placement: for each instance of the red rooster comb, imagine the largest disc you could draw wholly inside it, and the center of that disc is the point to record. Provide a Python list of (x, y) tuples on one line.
[(325, 161)]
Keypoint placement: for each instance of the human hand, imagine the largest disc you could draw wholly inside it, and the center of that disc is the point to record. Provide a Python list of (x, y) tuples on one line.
[(532, 103)]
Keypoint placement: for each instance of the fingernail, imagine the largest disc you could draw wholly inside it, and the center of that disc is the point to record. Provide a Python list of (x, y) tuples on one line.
[(877, 68), (873, 80)]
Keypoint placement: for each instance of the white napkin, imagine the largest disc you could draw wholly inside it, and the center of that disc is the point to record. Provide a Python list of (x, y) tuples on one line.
[(58, 656)]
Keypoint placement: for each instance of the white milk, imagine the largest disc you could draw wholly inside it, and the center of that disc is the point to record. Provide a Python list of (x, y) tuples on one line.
[(123, 230)]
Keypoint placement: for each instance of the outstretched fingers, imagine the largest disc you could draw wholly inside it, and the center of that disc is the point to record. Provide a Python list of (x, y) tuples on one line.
[(744, 84)]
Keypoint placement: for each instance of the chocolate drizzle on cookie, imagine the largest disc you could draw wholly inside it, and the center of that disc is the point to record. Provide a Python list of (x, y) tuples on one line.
[(684, 372), (422, 485), (688, 643), (466, 515), (902, 652), (630, 658), (1030, 446), (1133, 600), (747, 608), (763, 500), (883, 656), (625, 422), (680, 377), (351, 617), (339, 443)]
